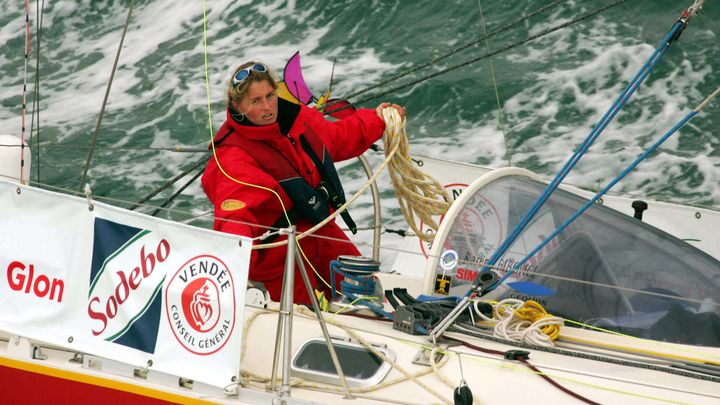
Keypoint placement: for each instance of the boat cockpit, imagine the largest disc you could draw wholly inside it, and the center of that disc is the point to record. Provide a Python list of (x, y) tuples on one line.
[(605, 270)]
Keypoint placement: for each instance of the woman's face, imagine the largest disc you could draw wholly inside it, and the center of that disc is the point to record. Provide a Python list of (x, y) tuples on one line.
[(260, 104)]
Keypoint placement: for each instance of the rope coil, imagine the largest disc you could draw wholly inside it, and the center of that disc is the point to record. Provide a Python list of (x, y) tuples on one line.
[(420, 196), (525, 322), (358, 275)]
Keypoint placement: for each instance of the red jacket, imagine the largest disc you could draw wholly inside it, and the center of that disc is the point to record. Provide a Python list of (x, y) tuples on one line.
[(244, 205)]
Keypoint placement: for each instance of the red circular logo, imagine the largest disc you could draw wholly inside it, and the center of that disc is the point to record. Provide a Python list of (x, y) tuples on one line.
[(200, 304)]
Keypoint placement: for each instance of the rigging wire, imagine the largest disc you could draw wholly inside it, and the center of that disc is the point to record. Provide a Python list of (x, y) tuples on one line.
[(612, 183), (587, 142), (458, 49), (105, 98), (490, 54), (178, 192), (24, 90), (179, 148), (40, 12), (500, 112), (166, 185)]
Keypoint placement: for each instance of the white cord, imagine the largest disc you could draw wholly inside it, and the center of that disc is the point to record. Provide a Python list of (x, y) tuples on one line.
[(509, 326)]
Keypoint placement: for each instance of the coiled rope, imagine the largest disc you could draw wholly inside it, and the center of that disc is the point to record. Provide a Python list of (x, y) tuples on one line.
[(524, 322), (420, 196), (529, 323), (40, 13), (421, 188)]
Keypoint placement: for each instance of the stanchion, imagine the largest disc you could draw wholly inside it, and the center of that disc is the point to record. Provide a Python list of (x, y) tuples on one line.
[(284, 326)]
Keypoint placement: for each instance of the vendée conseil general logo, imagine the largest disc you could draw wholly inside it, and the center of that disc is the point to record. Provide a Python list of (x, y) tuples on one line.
[(124, 298)]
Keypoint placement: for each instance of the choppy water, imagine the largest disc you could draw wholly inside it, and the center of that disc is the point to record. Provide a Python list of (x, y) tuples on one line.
[(553, 90)]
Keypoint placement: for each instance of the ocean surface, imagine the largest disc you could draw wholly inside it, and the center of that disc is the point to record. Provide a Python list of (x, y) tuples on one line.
[(552, 89)]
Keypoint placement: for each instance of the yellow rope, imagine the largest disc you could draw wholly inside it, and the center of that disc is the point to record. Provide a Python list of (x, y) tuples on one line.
[(521, 322), (704, 356), (532, 311), (227, 175), (420, 196)]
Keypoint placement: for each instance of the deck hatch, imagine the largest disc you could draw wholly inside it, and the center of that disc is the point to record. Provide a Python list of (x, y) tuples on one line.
[(362, 367)]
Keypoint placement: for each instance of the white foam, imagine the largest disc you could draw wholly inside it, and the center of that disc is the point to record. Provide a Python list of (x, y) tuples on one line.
[(572, 76)]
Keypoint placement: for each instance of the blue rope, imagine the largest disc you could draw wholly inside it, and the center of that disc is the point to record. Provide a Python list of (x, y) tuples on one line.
[(601, 193), (364, 276), (582, 149)]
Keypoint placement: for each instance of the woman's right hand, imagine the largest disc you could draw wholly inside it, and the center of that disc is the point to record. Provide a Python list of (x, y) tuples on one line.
[(382, 106)]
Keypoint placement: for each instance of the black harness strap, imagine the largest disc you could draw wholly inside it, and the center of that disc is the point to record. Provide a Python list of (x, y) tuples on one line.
[(334, 198)]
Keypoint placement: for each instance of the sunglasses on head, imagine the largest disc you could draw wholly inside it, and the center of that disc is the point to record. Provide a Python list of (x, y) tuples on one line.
[(243, 74)]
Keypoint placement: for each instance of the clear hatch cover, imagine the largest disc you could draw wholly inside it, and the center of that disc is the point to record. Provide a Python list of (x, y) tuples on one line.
[(606, 269)]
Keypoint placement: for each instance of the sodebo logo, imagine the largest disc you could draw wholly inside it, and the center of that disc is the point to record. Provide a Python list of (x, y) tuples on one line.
[(200, 304), (126, 280)]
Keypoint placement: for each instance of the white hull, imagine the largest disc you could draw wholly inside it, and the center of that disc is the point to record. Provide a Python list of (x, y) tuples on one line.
[(624, 369)]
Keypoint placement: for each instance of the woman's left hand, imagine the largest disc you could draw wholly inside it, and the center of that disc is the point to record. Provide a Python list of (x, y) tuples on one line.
[(382, 106)]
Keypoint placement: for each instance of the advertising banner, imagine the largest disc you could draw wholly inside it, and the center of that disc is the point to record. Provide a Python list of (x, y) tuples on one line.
[(121, 285)]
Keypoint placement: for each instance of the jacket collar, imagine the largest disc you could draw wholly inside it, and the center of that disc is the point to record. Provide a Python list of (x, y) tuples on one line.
[(287, 113)]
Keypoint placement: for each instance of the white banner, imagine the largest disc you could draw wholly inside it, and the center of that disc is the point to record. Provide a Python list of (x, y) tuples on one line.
[(121, 285)]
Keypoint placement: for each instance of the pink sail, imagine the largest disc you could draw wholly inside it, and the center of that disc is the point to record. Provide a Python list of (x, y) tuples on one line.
[(295, 82)]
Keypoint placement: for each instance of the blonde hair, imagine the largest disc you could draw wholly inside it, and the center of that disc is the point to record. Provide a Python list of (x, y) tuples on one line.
[(235, 94)]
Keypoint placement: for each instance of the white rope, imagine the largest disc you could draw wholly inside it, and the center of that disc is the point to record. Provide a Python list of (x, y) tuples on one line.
[(249, 377), (695, 7), (533, 326), (420, 196), (352, 199), (442, 377)]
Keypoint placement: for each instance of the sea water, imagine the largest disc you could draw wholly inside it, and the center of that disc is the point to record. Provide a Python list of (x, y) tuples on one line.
[(552, 90)]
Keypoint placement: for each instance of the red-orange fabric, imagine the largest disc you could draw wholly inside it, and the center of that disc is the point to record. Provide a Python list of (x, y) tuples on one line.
[(343, 140)]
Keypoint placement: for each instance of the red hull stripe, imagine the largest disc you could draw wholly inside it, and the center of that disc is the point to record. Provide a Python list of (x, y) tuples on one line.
[(28, 383)]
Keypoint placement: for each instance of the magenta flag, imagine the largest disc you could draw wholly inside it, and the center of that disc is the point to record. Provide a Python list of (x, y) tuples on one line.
[(295, 82)]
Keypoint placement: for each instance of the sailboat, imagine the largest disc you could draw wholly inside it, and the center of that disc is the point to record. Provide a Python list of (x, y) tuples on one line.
[(598, 298)]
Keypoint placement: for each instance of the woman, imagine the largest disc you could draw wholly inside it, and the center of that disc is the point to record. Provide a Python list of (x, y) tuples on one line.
[(275, 144)]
